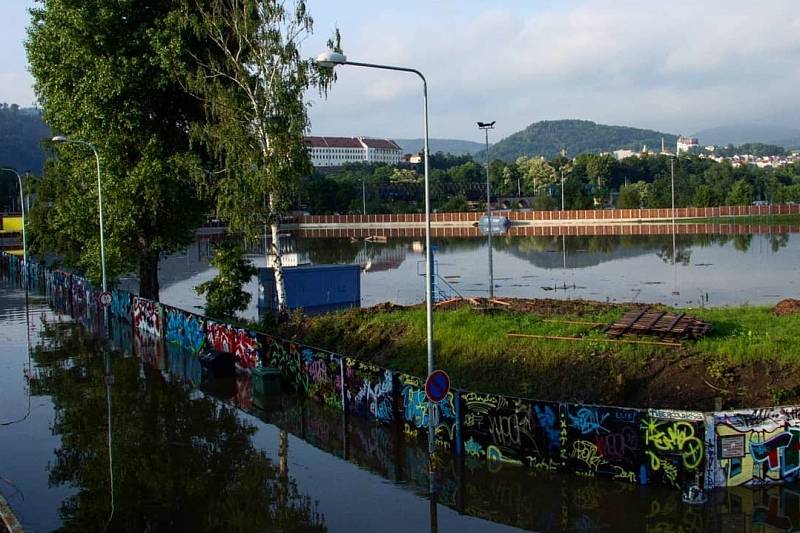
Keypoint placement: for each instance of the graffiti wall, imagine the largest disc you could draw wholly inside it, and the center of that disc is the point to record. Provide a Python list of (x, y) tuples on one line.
[(184, 365), (757, 446), (243, 344), (324, 376), (415, 413), (121, 304), (674, 448), (184, 329), (512, 430), (149, 348), (753, 447), (147, 316), (370, 390)]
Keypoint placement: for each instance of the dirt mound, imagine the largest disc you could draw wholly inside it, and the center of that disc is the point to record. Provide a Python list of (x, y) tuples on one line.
[(540, 306), (786, 307)]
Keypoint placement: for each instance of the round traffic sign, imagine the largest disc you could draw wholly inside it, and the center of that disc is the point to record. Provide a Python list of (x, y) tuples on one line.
[(105, 298), (437, 386)]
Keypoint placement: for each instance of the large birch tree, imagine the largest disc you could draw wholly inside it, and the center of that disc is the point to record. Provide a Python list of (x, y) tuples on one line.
[(254, 82)]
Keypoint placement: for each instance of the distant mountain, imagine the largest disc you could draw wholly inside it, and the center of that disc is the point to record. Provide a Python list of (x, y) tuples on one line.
[(21, 134), (451, 146), (750, 133), (548, 137)]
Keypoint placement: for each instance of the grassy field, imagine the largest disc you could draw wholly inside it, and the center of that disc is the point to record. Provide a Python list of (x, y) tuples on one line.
[(752, 355)]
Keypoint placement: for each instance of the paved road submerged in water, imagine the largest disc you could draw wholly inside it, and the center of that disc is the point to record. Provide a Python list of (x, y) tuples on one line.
[(216, 458)]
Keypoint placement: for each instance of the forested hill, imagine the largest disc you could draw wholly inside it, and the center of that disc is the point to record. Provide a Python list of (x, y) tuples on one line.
[(21, 134), (548, 137)]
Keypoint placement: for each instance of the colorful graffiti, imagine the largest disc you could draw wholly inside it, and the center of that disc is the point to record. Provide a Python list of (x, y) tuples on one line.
[(604, 441), (147, 316), (510, 430), (323, 374), (674, 448), (757, 447), (285, 356), (369, 390), (121, 304), (240, 342), (149, 348), (415, 413), (184, 329)]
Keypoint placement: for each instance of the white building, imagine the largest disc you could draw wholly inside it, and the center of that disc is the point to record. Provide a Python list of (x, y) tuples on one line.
[(686, 143), (338, 151)]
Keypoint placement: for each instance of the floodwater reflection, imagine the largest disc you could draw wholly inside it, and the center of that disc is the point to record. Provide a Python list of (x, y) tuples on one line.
[(151, 439)]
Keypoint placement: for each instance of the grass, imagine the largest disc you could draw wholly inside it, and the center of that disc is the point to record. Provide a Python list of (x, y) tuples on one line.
[(477, 353)]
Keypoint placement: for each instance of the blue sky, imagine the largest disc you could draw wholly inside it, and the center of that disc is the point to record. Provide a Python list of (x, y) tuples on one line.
[(679, 66)]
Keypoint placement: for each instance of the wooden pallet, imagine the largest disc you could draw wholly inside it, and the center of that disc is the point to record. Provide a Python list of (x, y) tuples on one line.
[(657, 323)]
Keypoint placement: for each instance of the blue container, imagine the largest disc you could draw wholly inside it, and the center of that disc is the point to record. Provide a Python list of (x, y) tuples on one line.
[(314, 288)]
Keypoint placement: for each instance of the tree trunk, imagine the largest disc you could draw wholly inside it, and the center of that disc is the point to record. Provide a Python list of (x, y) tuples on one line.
[(148, 275), (277, 263)]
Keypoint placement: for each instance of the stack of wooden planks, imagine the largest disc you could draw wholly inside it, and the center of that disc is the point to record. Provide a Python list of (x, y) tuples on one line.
[(658, 323)]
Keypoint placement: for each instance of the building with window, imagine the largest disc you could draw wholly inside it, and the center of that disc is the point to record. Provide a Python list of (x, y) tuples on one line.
[(686, 143), (338, 151)]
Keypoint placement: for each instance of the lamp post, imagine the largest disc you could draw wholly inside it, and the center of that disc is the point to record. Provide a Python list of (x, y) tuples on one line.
[(364, 194), (486, 126), (63, 139), (331, 59), (22, 209), (562, 187)]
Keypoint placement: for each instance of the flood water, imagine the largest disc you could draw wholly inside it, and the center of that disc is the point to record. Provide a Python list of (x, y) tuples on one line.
[(116, 434), (691, 271)]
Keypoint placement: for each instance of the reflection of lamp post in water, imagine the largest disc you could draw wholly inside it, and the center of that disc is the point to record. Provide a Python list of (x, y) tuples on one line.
[(486, 126), (109, 377)]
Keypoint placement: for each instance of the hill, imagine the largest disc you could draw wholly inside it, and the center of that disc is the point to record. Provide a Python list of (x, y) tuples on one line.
[(448, 146), (750, 133), (548, 137), (21, 134)]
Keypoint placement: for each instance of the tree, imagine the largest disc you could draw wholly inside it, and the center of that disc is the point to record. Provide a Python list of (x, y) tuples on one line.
[(629, 198), (536, 173), (253, 86), (100, 77), (224, 294), (741, 193)]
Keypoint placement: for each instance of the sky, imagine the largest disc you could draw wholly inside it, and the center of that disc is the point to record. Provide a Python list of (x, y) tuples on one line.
[(678, 65)]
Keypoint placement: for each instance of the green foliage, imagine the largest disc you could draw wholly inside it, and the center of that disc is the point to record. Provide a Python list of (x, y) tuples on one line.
[(740, 194), (21, 135), (224, 294), (544, 202), (629, 198), (253, 83), (100, 77), (455, 204)]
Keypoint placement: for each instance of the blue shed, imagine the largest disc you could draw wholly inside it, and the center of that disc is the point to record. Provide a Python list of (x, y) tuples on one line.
[(316, 289)]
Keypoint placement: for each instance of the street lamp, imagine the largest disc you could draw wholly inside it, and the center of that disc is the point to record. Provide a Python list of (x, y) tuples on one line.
[(24, 239), (486, 126), (63, 139), (331, 59)]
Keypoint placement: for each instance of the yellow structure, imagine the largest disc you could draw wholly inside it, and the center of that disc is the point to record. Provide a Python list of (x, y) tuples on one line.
[(11, 224)]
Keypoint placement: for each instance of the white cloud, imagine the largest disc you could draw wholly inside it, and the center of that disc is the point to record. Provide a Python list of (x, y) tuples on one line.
[(679, 66)]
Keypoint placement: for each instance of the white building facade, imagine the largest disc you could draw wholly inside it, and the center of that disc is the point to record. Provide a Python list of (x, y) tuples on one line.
[(338, 151), (686, 143)]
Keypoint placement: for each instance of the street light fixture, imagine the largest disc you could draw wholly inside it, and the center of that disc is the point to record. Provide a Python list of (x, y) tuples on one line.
[(22, 208), (331, 59), (63, 139), (486, 126)]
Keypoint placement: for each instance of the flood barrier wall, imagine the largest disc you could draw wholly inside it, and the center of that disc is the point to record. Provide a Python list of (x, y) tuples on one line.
[(749, 447), (566, 215)]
